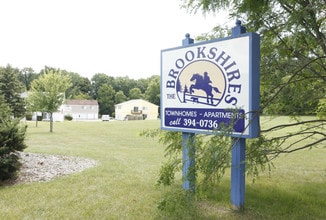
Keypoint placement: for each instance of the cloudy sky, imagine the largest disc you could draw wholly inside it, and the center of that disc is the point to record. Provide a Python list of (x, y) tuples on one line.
[(119, 38)]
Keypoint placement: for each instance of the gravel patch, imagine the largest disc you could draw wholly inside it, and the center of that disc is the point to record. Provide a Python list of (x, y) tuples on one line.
[(43, 167)]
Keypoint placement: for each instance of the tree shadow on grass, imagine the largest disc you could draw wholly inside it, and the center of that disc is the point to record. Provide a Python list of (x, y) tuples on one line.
[(267, 201), (298, 201)]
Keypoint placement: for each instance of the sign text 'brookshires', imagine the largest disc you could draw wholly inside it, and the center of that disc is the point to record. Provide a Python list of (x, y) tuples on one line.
[(214, 55)]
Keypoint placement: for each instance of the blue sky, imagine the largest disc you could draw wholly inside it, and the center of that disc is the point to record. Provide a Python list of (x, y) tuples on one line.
[(119, 38)]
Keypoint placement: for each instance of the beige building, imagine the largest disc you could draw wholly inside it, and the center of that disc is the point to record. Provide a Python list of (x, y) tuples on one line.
[(136, 109)]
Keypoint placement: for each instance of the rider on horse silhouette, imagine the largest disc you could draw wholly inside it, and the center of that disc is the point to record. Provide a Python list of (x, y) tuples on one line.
[(206, 79), (203, 83)]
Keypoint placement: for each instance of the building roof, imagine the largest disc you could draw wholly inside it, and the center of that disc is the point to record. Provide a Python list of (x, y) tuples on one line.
[(135, 100), (81, 102)]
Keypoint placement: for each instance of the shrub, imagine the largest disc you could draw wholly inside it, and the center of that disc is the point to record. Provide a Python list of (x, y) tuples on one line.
[(12, 137), (9, 165), (29, 116), (39, 118), (68, 117)]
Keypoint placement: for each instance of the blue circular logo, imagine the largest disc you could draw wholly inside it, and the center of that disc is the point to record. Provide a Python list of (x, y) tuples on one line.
[(201, 82)]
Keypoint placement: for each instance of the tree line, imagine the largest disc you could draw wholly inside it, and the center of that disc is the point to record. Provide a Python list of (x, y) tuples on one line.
[(107, 90), (281, 94)]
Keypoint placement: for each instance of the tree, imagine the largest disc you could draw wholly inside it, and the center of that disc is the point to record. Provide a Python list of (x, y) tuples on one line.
[(135, 93), (293, 48), (106, 97), (98, 80), (293, 62), (321, 110), (123, 84), (81, 87), (152, 93), (48, 92), (11, 88), (12, 137), (120, 97), (5, 110), (27, 75), (142, 84), (293, 67)]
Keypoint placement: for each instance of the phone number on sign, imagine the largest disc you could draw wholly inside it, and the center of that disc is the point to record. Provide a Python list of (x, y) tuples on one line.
[(204, 119), (202, 123)]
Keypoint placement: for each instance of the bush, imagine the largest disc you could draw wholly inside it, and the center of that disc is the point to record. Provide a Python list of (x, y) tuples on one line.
[(39, 118), (9, 165), (12, 136), (68, 117), (29, 116)]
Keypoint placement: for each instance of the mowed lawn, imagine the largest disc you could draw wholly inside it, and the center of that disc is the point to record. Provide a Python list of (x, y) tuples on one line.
[(122, 185)]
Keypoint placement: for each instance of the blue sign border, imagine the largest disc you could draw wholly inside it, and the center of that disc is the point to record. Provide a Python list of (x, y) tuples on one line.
[(254, 87)]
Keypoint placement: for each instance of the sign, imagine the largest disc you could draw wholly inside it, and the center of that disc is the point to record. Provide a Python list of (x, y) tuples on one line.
[(210, 85)]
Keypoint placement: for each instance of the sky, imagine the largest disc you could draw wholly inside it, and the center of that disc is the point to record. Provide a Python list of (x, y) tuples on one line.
[(118, 38)]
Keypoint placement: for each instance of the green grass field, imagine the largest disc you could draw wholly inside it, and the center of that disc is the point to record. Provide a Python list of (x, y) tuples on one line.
[(122, 186)]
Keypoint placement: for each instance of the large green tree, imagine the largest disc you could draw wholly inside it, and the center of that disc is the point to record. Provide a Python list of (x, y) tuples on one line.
[(293, 49), (293, 61), (123, 84), (48, 92), (120, 97), (106, 99), (98, 80), (81, 87), (11, 88), (152, 93), (293, 83), (27, 75), (135, 93)]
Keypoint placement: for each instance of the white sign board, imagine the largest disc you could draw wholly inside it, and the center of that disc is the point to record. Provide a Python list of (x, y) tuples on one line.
[(206, 86)]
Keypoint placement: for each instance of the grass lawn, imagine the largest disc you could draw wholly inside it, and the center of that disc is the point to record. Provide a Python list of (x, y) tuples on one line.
[(122, 186)]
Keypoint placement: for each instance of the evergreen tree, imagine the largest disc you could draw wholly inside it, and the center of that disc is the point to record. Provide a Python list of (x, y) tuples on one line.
[(12, 136), (11, 88)]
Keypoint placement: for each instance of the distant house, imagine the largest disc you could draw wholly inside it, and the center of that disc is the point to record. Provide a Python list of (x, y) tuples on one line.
[(136, 109), (78, 109), (81, 109)]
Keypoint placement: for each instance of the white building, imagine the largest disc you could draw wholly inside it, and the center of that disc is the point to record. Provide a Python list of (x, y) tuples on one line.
[(81, 109), (78, 109)]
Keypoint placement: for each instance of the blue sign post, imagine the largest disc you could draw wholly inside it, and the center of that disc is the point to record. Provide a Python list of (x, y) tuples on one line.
[(238, 166), (210, 85), (188, 147)]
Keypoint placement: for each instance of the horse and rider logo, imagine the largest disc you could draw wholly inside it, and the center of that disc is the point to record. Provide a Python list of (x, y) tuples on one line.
[(201, 82)]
